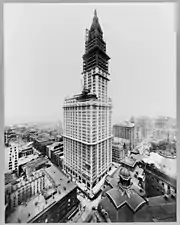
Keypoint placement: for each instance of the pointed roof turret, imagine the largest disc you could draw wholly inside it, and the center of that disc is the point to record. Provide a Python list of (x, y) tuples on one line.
[(95, 24), (95, 13)]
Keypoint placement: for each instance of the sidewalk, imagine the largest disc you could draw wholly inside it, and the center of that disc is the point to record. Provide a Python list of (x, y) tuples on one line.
[(98, 186)]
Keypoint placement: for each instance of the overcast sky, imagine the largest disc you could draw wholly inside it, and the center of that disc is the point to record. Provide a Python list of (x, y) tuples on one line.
[(43, 48)]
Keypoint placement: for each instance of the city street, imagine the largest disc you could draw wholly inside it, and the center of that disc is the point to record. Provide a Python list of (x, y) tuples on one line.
[(86, 208)]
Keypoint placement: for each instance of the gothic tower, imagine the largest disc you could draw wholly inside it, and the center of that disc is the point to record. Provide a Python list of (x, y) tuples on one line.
[(87, 116)]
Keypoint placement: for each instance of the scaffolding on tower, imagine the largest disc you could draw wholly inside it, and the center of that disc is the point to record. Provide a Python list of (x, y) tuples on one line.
[(86, 37)]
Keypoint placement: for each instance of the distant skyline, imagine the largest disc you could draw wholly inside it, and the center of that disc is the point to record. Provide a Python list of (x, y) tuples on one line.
[(43, 48)]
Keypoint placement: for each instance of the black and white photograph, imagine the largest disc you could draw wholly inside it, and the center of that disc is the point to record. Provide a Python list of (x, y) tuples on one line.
[(90, 112)]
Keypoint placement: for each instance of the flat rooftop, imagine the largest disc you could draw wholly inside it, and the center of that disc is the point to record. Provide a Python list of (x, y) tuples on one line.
[(34, 163), (57, 151), (120, 140), (129, 161), (25, 146), (26, 212), (138, 157), (54, 144), (38, 205), (26, 159), (124, 124), (10, 178), (117, 144), (45, 142)]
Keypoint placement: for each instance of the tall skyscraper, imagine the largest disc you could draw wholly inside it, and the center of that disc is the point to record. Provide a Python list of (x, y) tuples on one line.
[(87, 116)]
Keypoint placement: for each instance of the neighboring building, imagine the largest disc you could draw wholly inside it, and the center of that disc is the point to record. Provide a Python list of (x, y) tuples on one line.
[(23, 189), (121, 203), (129, 163), (137, 181), (24, 160), (137, 135), (11, 157), (10, 178), (145, 126), (33, 137), (160, 134), (41, 143), (55, 203), (5, 138), (124, 132), (59, 138), (157, 182), (161, 123), (118, 152), (56, 146), (9, 136), (29, 133), (87, 116), (26, 150), (134, 166), (57, 158), (34, 165)]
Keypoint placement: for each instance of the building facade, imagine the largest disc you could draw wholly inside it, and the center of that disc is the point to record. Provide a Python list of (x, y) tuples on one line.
[(145, 126), (25, 150), (118, 152), (11, 158), (124, 132), (41, 144), (157, 182), (57, 158), (137, 135), (56, 146), (161, 123), (60, 211), (23, 189), (9, 135), (87, 116)]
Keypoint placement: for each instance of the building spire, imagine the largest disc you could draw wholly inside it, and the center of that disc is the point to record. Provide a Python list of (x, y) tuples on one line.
[(95, 13), (95, 27)]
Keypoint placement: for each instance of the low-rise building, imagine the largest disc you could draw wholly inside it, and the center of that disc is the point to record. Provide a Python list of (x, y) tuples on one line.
[(26, 150), (24, 160), (41, 143), (34, 165), (56, 146), (157, 182), (124, 132), (53, 204), (24, 188), (122, 203)]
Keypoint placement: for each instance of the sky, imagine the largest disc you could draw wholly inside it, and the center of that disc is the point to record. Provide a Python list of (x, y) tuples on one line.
[(43, 48)]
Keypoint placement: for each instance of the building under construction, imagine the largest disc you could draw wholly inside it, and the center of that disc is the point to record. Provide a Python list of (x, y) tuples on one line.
[(87, 116)]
